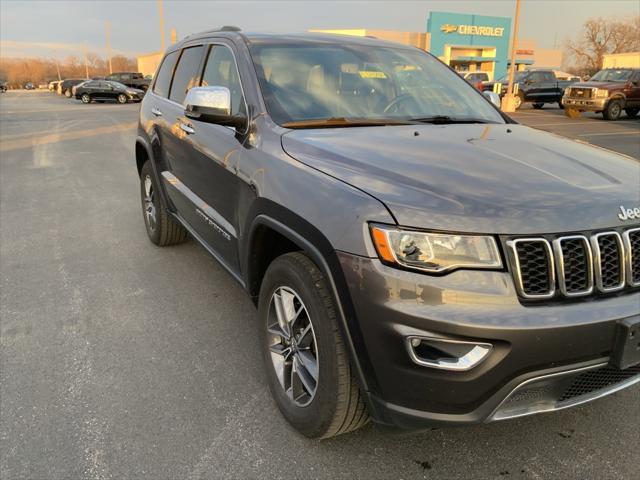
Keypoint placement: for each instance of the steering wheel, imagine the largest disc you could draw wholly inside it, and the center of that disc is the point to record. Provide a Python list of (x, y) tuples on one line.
[(394, 105)]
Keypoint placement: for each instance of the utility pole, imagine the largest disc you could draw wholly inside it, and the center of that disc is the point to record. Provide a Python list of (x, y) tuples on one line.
[(161, 15), (107, 31), (86, 62), (55, 56), (509, 99)]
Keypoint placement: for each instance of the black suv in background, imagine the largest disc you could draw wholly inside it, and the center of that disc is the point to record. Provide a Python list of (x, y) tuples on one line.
[(416, 257), (534, 86), (130, 79)]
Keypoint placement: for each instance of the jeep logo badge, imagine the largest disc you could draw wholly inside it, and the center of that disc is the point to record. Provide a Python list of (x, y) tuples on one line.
[(629, 213)]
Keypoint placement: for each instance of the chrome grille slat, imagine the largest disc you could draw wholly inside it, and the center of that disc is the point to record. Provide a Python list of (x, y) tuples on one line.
[(631, 240), (575, 265), (608, 258)]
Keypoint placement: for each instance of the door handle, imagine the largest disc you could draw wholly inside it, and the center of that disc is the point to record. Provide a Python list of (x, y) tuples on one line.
[(156, 112), (187, 128)]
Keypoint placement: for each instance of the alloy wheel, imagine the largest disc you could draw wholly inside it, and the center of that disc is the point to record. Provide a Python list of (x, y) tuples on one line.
[(149, 206), (293, 346), (122, 98)]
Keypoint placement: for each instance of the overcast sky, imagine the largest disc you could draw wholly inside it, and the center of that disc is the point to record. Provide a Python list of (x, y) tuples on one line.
[(51, 27)]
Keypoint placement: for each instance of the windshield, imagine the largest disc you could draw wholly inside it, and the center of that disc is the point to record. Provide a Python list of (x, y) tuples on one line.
[(612, 76), (337, 82), (116, 84), (517, 77)]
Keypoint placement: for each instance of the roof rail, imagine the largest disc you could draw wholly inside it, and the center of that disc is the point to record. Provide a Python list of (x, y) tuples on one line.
[(225, 28)]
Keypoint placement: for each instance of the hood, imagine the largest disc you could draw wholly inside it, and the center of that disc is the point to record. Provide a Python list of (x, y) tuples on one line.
[(602, 85), (507, 179)]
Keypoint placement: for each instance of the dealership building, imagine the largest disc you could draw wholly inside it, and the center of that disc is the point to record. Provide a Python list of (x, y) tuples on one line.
[(469, 42)]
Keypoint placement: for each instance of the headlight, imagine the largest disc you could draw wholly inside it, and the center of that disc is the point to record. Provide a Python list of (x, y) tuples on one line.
[(435, 252), (601, 93)]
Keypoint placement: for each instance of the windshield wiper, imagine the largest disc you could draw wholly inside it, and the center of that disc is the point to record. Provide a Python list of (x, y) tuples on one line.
[(445, 119), (346, 122)]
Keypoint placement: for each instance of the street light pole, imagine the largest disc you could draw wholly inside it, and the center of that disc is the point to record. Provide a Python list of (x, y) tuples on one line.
[(161, 15), (86, 62), (509, 104), (107, 30)]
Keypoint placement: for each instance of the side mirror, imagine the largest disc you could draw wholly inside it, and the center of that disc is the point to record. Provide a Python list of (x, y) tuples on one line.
[(493, 97), (212, 105)]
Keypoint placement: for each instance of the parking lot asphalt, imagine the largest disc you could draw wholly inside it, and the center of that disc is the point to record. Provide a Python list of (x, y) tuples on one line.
[(123, 360)]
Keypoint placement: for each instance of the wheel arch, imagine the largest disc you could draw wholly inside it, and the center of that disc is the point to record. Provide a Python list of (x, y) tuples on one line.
[(268, 218)]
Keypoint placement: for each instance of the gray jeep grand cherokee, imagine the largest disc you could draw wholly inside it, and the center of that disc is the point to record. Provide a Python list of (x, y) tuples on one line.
[(416, 256)]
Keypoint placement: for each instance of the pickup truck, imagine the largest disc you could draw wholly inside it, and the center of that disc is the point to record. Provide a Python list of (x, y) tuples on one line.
[(130, 79), (416, 257), (534, 86), (609, 91)]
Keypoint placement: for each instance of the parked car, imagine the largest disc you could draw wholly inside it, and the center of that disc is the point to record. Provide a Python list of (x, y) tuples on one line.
[(476, 78), (3, 87), (610, 92), (53, 85), (29, 86), (130, 79), (102, 90), (415, 256), (67, 84), (534, 86)]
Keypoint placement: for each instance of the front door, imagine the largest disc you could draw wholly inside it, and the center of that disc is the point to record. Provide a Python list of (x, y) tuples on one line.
[(208, 161)]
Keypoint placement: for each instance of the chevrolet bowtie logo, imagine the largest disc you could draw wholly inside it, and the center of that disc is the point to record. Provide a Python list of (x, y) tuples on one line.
[(446, 28)]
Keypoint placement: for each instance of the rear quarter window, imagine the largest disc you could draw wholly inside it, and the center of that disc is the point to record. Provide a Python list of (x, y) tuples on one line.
[(163, 78)]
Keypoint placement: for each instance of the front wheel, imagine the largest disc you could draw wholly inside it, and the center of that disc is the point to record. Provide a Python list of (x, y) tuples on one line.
[(613, 110), (86, 98), (538, 106), (519, 100), (308, 369), (122, 98), (631, 112)]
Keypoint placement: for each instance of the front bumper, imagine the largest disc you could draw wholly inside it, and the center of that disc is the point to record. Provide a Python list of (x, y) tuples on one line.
[(529, 342), (591, 104)]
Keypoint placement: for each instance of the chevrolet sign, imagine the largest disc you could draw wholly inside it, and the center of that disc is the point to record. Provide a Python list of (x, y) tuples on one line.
[(473, 30)]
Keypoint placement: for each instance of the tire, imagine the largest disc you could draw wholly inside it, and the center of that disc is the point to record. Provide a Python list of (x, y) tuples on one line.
[(86, 98), (122, 98), (613, 110), (519, 100), (560, 106), (632, 112), (572, 112), (161, 227), (537, 106), (67, 93), (333, 405)]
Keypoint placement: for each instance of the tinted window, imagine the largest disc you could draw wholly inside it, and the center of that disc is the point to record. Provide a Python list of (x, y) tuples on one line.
[(221, 71), (549, 77), (321, 81), (187, 73), (163, 79)]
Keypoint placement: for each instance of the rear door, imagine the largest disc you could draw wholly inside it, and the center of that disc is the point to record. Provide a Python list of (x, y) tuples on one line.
[(633, 91)]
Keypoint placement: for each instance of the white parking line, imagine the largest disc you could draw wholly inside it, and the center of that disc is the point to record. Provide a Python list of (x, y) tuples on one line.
[(612, 133)]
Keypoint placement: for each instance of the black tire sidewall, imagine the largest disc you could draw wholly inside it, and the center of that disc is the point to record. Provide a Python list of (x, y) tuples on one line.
[(154, 235), (314, 419), (607, 111)]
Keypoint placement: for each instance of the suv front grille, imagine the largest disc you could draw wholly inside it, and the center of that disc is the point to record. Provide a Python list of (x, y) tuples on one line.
[(594, 380), (575, 265), (578, 92)]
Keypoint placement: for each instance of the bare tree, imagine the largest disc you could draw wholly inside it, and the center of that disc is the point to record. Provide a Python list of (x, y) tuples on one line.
[(601, 36)]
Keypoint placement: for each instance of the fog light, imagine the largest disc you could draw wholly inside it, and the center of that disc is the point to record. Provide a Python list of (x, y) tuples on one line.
[(446, 354)]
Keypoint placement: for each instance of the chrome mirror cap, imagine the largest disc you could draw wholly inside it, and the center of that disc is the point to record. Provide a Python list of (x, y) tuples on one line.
[(493, 97), (214, 100)]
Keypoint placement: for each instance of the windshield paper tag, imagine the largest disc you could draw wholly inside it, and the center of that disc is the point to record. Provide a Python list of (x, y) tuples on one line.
[(371, 74)]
